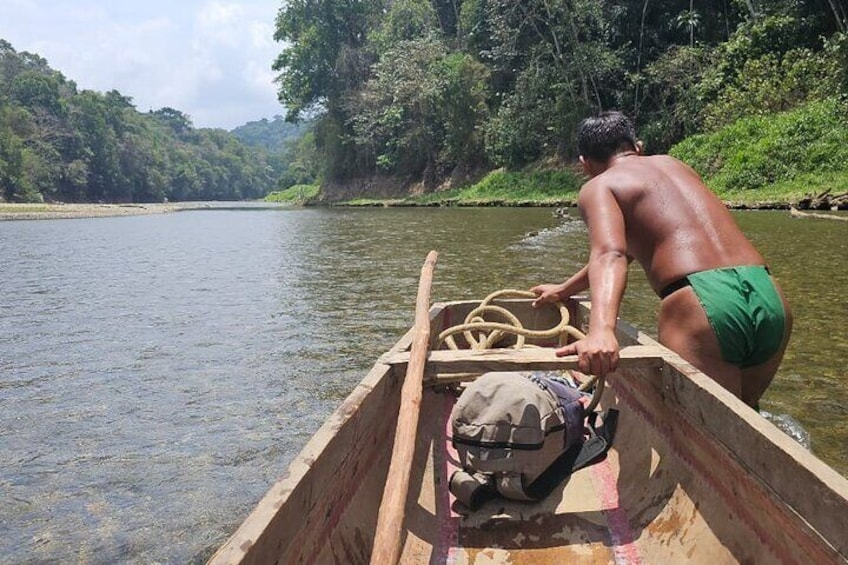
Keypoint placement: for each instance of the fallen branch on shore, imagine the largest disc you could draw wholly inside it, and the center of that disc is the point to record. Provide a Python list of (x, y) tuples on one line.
[(795, 213)]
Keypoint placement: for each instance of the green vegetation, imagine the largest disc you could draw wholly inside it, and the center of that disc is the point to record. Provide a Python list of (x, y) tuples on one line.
[(774, 158), (520, 188), (290, 148), (299, 194), (422, 90), (58, 143), (274, 135), (540, 188), (528, 189), (426, 93)]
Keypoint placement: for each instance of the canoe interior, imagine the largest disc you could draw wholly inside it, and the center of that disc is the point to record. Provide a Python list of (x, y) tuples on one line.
[(693, 475)]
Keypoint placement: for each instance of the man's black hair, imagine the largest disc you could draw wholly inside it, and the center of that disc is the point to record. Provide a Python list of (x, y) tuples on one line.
[(602, 136)]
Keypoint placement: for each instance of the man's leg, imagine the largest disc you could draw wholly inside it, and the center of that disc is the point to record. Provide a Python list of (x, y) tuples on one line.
[(684, 328)]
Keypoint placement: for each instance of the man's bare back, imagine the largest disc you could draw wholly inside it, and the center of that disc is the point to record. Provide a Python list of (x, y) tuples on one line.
[(720, 309), (674, 225)]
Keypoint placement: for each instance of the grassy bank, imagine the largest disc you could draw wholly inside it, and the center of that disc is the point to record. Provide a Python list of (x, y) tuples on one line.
[(298, 195), (778, 158), (494, 190), (498, 188)]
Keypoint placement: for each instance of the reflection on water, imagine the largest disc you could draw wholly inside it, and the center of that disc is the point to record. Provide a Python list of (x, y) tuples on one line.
[(163, 370)]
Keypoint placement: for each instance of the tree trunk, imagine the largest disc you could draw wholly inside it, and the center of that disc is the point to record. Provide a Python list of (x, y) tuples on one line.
[(838, 15), (691, 23), (639, 61), (751, 10)]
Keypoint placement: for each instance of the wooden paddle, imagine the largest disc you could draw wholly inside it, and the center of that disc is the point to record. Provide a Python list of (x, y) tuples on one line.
[(390, 519)]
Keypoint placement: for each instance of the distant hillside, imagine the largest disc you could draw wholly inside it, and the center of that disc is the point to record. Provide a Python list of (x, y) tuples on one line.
[(60, 143), (272, 135)]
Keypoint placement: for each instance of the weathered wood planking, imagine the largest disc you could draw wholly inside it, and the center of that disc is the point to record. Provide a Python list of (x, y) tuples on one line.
[(530, 359)]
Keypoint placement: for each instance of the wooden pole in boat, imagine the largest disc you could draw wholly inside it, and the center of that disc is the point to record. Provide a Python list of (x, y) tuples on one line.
[(387, 538)]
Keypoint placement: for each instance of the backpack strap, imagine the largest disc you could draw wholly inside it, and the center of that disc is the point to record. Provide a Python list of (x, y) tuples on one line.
[(568, 398), (599, 441), (578, 456), (511, 486)]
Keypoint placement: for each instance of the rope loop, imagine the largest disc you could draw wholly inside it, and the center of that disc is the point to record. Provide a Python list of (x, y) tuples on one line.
[(482, 333), (490, 332)]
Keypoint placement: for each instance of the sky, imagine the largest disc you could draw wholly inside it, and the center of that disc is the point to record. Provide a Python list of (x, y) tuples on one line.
[(210, 59)]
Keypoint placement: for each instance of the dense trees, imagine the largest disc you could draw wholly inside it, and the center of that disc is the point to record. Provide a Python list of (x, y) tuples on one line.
[(274, 135), (58, 143), (419, 89), (291, 149)]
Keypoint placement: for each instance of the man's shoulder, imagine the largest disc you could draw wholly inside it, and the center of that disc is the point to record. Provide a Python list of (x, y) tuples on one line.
[(613, 178), (594, 184), (595, 191)]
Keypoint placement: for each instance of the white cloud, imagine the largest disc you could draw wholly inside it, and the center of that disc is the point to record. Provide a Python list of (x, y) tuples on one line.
[(262, 36), (221, 24), (209, 59)]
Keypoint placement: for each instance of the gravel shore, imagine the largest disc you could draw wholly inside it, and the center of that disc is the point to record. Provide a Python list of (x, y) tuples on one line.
[(9, 211), (58, 211)]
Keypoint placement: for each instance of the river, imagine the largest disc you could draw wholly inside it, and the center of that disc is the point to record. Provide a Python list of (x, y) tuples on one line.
[(157, 373)]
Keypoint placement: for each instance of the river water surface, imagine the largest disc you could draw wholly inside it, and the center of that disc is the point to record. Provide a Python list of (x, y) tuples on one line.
[(158, 373)]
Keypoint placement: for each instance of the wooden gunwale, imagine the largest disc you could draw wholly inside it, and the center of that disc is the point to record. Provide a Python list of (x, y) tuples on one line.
[(467, 361)]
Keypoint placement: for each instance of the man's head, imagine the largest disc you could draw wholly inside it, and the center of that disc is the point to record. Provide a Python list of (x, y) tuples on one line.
[(601, 137)]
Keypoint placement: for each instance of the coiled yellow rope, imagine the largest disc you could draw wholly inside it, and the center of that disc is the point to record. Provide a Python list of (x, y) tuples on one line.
[(489, 332), (475, 321)]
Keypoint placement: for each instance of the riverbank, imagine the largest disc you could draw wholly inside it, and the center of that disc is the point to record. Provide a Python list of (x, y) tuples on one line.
[(461, 200), (548, 203), (10, 211), (453, 198), (560, 189), (57, 211)]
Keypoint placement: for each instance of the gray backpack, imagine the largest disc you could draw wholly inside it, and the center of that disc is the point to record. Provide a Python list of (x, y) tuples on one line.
[(518, 434)]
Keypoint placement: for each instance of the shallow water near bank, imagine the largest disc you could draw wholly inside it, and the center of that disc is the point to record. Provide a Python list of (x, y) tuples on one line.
[(158, 372)]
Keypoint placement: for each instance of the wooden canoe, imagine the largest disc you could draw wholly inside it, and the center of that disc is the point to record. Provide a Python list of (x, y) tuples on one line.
[(693, 476)]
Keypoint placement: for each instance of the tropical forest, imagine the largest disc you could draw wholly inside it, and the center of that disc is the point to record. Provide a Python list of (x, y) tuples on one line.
[(62, 144)]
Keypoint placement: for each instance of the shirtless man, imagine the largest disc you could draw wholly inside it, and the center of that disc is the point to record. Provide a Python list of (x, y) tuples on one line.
[(720, 309)]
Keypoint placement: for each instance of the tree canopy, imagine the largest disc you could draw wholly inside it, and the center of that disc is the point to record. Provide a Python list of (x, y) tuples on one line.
[(58, 143), (421, 91)]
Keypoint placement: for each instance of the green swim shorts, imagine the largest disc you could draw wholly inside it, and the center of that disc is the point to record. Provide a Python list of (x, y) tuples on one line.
[(745, 311)]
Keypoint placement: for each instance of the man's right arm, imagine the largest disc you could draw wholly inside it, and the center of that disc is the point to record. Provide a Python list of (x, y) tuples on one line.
[(607, 273)]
